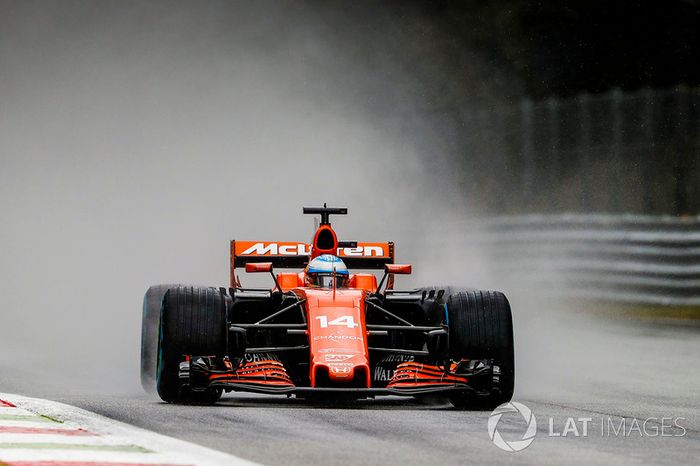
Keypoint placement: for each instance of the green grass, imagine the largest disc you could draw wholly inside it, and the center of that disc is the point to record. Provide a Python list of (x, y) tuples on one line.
[(26, 417), (680, 314)]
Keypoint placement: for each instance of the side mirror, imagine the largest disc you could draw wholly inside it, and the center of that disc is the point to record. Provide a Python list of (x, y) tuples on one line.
[(392, 269), (254, 267), (403, 269)]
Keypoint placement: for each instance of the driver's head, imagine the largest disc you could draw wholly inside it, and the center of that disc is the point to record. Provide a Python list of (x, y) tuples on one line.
[(320, 270)]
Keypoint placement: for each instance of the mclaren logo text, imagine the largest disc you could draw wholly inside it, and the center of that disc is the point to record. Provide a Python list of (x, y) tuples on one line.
[(274, 249), (301, 249)]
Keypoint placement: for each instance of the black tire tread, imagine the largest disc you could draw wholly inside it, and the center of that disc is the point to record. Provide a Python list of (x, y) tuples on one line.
[(481, 327), (199, 314), (193, 322)]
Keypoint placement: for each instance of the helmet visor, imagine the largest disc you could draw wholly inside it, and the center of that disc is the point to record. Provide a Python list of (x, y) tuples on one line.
[(325, 280)]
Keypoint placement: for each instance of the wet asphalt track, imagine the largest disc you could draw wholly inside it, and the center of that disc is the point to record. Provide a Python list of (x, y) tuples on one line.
[(596, 372)]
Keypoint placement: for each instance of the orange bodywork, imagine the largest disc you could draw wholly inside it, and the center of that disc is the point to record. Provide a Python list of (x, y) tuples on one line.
[(337, 339), (337, 336)]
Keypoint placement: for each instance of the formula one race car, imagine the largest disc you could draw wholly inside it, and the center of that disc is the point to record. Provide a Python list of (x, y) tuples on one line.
[(326, 331)]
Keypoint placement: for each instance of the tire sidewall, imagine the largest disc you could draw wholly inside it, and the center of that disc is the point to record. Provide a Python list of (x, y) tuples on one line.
[(150, 334)]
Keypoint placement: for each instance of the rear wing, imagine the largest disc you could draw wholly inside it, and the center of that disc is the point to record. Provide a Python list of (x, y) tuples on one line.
[(294, 255)]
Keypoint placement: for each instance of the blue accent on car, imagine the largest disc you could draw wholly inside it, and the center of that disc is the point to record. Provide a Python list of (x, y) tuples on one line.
[(447, 315)]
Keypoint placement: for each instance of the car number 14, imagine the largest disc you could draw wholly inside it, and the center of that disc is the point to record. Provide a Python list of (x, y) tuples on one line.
[(348, 321)]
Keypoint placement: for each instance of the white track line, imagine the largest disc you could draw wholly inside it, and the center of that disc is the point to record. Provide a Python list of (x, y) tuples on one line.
[(161, 449)]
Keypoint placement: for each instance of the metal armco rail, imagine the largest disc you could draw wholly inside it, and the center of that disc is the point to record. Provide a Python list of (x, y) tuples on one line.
[(636, 259)]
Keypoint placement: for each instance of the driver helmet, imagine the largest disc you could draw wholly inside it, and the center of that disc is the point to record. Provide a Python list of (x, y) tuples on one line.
[(320, 270)]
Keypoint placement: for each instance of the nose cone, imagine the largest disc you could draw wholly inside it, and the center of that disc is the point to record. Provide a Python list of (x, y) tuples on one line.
[(337, 338), (341, 369)]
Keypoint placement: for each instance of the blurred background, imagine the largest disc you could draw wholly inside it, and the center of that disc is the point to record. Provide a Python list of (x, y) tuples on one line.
[(551, 149)]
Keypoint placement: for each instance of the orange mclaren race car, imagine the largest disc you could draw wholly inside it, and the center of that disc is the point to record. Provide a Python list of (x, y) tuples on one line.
[(327, 331)]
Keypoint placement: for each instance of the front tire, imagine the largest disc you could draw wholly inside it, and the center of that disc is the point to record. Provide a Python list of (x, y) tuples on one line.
[(481, 327), (192, 323)]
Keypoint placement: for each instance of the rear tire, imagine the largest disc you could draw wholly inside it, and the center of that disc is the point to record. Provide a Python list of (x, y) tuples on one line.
[(193, 322), (481, 327)]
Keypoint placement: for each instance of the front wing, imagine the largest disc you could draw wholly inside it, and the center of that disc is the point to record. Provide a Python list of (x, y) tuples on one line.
[(409, 379)]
